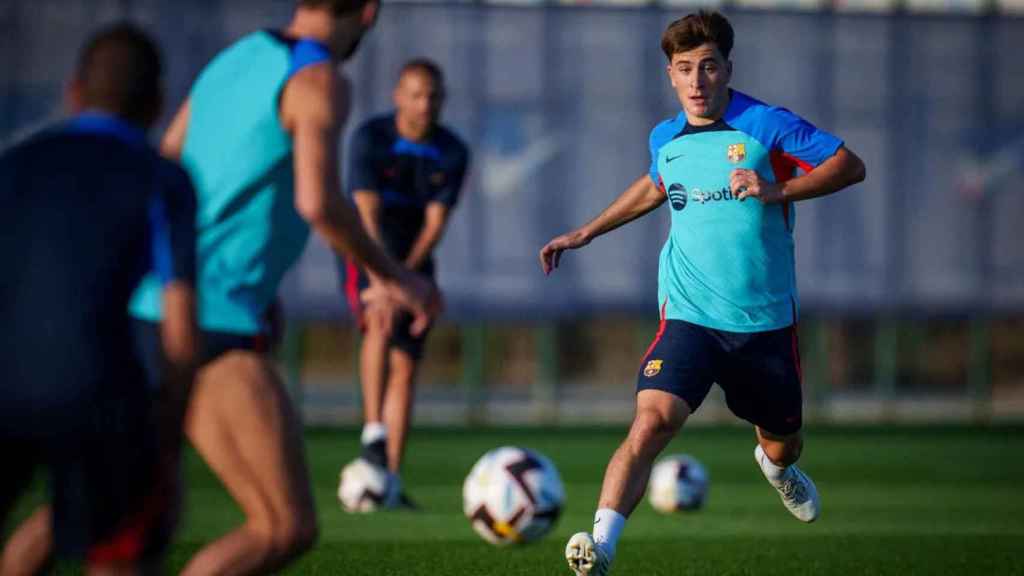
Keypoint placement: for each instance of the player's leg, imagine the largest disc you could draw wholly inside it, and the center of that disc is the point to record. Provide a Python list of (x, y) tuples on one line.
[(777, 454), (398, 402), (16, 478), (27, 551), (398, 405), (373, 375), (674, 379), (762, 382), (241, 422)]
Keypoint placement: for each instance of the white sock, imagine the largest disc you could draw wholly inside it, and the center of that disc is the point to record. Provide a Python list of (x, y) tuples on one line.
[(373, 431), (772, 471), (608, 524)]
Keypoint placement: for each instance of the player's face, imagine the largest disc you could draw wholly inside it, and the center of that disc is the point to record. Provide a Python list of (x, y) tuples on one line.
[(418, 99), (701, 79)]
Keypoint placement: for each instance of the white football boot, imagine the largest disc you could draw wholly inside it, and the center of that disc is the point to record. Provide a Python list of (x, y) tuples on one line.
[(795, 488), (585, 557)]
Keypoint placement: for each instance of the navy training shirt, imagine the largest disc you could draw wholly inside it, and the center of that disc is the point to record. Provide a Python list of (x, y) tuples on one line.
[(89, 208), (407, 176)]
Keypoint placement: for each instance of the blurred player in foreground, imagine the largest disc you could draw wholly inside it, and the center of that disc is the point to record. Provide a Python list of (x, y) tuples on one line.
[(405, 174), (89, 208), (727, 284), (259, 136)]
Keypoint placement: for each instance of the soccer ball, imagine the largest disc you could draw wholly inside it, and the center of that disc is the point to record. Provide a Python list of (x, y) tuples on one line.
[(512, 496), (364, 487), (679, 483)]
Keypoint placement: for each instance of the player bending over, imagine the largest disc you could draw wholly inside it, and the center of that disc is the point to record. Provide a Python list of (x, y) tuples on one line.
[(405, 174), (259, 135), (89, 208), (726, 281)]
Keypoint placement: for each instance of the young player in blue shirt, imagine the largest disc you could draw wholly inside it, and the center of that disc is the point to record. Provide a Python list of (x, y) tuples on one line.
[(726, 283)]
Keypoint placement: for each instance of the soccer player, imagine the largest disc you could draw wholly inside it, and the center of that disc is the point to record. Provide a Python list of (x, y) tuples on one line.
[(89, 208), (259, 136), (727, 287), (406, 171)]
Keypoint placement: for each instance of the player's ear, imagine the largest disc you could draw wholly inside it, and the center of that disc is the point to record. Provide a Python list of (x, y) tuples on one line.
[(668, 70), (728, 70)]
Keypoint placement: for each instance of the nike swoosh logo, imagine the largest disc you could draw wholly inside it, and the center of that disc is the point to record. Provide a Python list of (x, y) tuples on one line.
[(671, 158)]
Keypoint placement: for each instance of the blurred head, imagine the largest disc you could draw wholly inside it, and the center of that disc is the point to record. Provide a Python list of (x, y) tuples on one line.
[(419, 95), (697, 47), (119, 71), (348, 21)]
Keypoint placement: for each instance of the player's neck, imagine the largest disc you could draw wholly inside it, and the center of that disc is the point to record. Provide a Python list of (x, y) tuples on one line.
[(410, 131), (311, 24)]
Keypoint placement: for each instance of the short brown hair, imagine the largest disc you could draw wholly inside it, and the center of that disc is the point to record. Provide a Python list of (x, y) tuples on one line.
[(425, 66), (119, 70), (693, 30), (337, 7)]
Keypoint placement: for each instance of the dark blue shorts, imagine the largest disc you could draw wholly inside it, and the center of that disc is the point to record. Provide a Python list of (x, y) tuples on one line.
[(758, 371), (354, 281), (213, 345), (113, 495)]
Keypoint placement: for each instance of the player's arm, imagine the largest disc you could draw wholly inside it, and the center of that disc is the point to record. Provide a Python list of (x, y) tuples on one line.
[(313, 109), (173, 140), (840, 170), (434, 221), (641, 197)]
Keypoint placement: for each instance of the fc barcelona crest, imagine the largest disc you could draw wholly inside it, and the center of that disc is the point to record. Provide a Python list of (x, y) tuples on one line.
[(736, 153), (652, 368)]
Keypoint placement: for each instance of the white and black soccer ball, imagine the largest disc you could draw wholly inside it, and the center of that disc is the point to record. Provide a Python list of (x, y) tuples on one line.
[(512, 496), (364, 487), (679, 483)]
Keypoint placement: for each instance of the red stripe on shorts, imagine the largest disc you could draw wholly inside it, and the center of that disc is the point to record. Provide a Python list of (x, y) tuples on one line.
[(128, 543), (352, 291), (657, 337)]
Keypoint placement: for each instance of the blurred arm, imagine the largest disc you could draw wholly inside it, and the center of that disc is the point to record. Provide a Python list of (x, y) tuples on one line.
[(313, 108), (174, 138)]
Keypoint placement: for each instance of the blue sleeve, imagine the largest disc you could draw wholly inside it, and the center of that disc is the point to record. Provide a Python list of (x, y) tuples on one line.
[(172, 217), (655, 144), (661, 135), (798, 138), (361, 173), (454, 175)]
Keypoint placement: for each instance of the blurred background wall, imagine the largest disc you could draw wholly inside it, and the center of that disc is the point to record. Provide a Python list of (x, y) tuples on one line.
[(912, 283)]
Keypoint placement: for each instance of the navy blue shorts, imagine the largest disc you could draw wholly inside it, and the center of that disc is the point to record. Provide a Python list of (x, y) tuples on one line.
[(759, 371), (114, 496), (354, 281), (214, 344)]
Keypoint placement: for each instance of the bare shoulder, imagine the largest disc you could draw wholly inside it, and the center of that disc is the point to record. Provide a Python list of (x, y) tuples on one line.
[(316, 94)]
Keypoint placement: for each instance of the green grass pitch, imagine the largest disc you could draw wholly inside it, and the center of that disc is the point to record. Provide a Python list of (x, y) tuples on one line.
[(898, 501)]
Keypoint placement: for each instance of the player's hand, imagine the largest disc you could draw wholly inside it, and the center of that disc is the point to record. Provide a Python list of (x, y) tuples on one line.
[(378, 309), (551, 253), (746, 183), (410, 292)]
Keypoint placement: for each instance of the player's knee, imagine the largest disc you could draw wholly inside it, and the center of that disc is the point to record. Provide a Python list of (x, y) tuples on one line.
[(378, 321), (295, 536), (651, 427)]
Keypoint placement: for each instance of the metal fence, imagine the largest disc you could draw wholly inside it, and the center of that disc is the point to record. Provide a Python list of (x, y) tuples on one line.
[(557, 102)]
